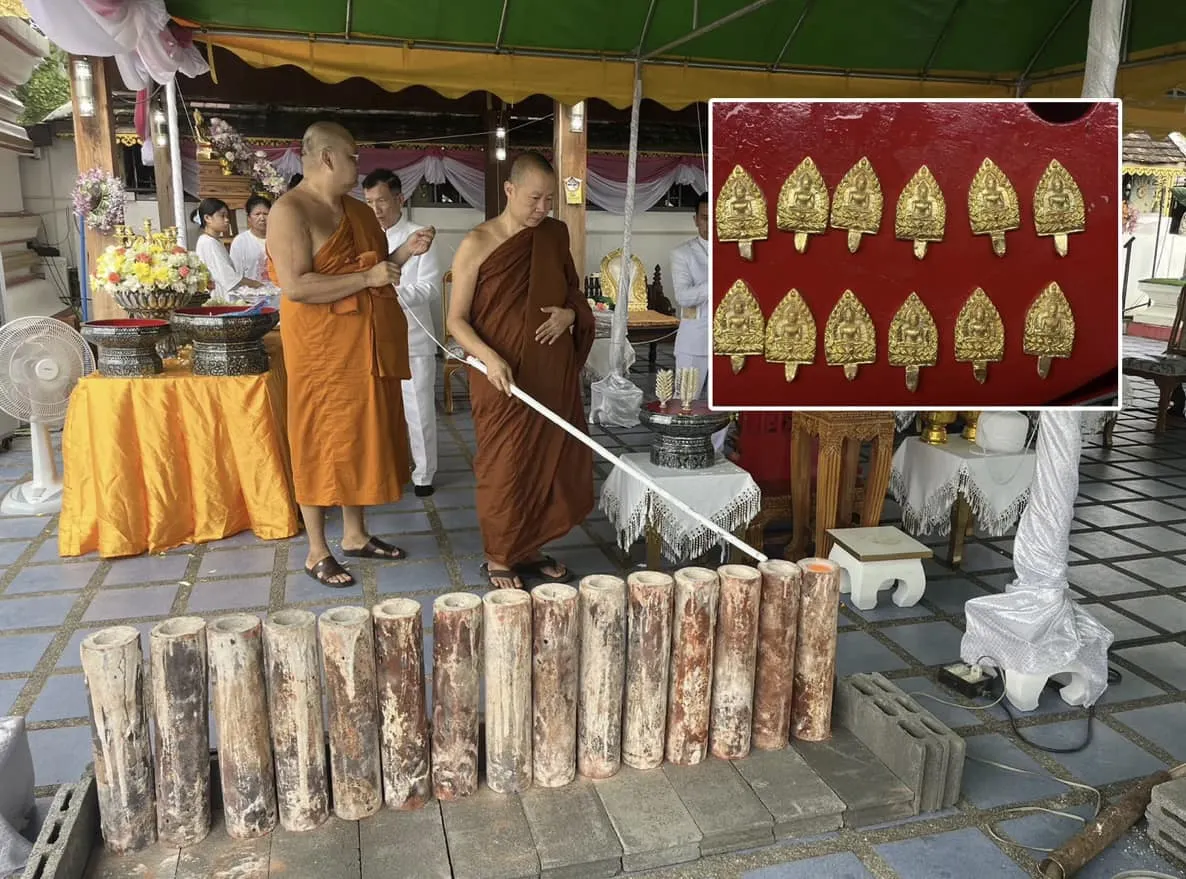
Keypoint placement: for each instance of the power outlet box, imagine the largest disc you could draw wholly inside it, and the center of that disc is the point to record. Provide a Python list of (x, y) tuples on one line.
[(971, 681)]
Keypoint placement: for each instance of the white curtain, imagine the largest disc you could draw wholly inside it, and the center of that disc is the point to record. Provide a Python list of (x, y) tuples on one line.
[(135, 32), (610, 195)]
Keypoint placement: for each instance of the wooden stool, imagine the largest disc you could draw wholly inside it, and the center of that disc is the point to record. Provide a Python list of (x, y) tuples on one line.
[(840, 436), (872, 559)]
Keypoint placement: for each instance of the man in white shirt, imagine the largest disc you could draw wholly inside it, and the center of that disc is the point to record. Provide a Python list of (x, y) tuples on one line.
[(419, 290), (689, 276)]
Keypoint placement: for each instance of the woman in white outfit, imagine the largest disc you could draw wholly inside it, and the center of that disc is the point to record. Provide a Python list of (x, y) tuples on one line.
[(213, 217), (249, 254)]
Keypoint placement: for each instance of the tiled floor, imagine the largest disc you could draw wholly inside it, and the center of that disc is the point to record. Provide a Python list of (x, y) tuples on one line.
[(1130, 531)]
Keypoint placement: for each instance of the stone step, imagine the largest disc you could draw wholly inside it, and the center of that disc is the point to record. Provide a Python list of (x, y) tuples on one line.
[(871, 793)]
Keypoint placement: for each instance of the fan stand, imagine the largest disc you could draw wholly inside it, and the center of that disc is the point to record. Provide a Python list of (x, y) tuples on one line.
[(42, 495)]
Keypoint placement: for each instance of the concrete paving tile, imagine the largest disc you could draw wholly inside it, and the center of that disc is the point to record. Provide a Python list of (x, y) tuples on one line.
[(860, 651), (1107, 492), (980, 558), (451, 519), (1160, 724), (1161, 571), (1165, 611), (238, 562), (1104, 546), (572, 832), (1157, 538), (147, 569), (214, 595), (459, 498), (9, 690), (652, 824), (1154, 511), (794, 794), (17, 527), (950, 594), (844, 865), (11, 550), (404, 845), (886, 610), (329, 852), (1167, 662), (466, 542), (35, 612), (118, 604), (489, 837), (397, 524), (1105, 581), (62, 697), (935, 643), (300, 587), (60, 755), (939, 855), (1123, 628), (220, 855), (987, 787), (52, 578), (1109, 758), (20, 653), (1105, 473), (729, 814), (427, 576), (1105, 516), (871, 793)]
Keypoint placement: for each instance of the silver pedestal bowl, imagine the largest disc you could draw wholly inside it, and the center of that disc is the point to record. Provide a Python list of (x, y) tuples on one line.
[(683, 437)]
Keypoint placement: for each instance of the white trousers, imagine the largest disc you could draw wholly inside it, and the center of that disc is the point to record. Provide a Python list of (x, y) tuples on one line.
[(700, 362), (420, 411)]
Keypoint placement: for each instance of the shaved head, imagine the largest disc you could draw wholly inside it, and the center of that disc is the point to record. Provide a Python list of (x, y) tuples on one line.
[(329, 156), (325, 136), (529, 163)]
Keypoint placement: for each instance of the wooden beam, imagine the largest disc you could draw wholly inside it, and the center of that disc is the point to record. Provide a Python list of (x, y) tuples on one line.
[(496, 171), (570, 156), (94, 147)]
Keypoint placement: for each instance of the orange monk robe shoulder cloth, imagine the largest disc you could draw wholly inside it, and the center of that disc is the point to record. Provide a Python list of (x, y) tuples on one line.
[(534, 481), (345, 363)]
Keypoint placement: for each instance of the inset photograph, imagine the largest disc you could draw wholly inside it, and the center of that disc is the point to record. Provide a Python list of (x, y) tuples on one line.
[(937, 255)]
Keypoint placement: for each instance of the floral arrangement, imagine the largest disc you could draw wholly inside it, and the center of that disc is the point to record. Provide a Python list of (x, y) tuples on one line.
[(99, 200), (599, 304), (1129, 218), (138, 264), (238, 158)]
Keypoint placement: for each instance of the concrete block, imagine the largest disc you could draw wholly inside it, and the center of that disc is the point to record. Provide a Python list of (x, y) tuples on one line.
[(1170, 797), (221, 855), (1172, 846), (489, 837), (1170, 824), (871, 793), (573, 835), (651, 821), (404, 845), (797, 798), (70, 832), (725, 808), (330, 851)]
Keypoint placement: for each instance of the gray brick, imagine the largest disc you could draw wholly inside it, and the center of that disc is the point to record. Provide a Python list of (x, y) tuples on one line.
[(871, 793), (489, 837), (220, 855), (727, 811), (652, 823), (404, 845), (1170, 824), (573, 835), (797, 798), (1170, 796), (1173, 846), (329, 852), (69, 834)]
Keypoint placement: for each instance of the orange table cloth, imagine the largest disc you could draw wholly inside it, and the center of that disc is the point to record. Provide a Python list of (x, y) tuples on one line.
[(156, 462)]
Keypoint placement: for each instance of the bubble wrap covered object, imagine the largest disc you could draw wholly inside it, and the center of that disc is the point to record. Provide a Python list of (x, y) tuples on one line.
[(1035, 627), (16, 794)]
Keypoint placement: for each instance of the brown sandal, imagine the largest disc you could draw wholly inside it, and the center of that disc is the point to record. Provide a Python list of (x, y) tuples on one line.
[(490, 575), (377, 549), (329, 567)]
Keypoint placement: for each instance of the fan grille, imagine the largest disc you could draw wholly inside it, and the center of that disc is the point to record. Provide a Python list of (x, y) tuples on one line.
[(41, 360)]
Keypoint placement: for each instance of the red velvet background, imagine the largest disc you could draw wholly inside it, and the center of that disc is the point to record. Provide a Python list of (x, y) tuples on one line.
[(952, 139)]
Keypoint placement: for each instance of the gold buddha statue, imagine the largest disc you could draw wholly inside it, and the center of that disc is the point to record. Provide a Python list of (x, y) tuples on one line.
[(611, 268)]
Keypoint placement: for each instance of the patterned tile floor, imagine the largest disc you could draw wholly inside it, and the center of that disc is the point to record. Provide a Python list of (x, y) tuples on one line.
[(1128, 569)]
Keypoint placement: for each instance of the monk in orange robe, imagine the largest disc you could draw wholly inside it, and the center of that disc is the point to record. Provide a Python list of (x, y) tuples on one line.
[(517, 306), (345, 350)]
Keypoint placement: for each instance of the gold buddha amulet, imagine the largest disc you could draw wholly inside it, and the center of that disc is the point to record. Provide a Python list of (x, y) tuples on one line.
[(1058, 206), (1049, 328), (979, 334), (993, 208), (922, 212), (741, 212), (790, 335), (803, 204), (913, 339), (738, 327), (857, 204), (850, 338)]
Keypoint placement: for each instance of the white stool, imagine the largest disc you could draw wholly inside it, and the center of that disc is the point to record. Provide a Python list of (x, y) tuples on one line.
[(872, 559), (1023, 690)]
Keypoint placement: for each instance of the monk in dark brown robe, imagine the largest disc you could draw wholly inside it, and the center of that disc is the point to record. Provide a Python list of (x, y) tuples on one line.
[(517, 306), (345, 350)]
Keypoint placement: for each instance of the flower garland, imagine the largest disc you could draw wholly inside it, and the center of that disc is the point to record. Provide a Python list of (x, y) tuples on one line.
[(146, 264), (238, 158), (99, 200)]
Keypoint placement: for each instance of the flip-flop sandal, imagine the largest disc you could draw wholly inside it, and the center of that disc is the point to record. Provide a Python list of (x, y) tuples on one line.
[(490, 575), (377, 549), (329, 567), (536, 569)]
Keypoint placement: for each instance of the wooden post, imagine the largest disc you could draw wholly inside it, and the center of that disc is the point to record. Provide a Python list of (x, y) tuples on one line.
[(403, 724), (815, 654), (496, 171), (648, 664), (240, 705), (694, 624), (111, 665), (162, 170), (348, 651), (506, 636), (778, 627), (734, 658), (297, 723), (555, 660), (95, 147), (177, 657), (603, 673), (570, 157), (456, 666)]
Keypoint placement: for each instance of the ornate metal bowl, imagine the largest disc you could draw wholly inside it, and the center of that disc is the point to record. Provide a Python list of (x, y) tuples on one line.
[(155, 302), (226, 340), (127, 346), (683, 437)]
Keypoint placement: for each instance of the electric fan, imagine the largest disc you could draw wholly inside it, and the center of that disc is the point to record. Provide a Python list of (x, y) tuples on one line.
[(41, 360)]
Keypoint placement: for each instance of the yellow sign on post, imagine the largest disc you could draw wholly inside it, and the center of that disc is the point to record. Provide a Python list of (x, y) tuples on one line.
[(574, 190)]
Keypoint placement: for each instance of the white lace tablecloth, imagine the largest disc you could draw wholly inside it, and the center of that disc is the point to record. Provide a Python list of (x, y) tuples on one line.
[(926, 480), (724, 493)]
